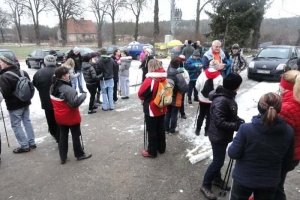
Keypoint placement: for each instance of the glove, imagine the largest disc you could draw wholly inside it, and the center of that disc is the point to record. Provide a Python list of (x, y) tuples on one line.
[(239, 123)]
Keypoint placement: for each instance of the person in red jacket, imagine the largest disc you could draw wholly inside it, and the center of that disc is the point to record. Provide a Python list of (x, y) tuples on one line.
[(290, 112), (65, 103), (154, 116)]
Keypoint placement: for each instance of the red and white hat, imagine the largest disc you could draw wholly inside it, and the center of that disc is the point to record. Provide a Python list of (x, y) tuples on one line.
[(181, 57)]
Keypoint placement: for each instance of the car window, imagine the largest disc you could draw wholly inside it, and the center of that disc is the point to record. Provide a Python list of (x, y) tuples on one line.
[(39, 54), (274, 53), (129, 47), (135, 47), (45, 53), (110, 49), (298, 52), (7, 52), (33, 53)]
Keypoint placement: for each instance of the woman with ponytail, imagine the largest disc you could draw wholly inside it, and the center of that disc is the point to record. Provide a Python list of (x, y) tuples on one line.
[(290, 111), (260, 149), (65, 104)]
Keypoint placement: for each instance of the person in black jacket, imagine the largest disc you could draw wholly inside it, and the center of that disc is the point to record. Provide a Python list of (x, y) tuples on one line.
[(116, 57), (42, 80), (261, 148), (76, 56), (144, 65), (18, 110), (180, 87), (91, 80), (223, 122)]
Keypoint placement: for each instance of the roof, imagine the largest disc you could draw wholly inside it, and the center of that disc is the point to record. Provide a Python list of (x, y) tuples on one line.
[(81, 26), (280, 46)]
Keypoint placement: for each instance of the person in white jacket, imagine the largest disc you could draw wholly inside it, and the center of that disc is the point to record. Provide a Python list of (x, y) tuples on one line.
[(202, 85)]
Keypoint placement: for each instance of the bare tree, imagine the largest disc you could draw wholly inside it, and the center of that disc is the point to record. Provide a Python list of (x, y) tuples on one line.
[(65, 10), (3, 23), (17, 11), (136, 6), (35, 7), (114, 6), (99, 9), (156, 21), (198, 12)]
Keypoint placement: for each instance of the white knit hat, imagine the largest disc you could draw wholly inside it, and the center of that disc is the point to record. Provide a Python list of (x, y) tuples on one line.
[(76, 50)]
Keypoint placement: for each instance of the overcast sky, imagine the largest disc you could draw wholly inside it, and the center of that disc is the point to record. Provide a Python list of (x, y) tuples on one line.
[(188, 7)]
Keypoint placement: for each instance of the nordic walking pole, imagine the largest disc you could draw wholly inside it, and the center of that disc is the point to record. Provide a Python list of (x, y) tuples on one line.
[(4, 126), (226, 178), (136, 81), (196, 117)]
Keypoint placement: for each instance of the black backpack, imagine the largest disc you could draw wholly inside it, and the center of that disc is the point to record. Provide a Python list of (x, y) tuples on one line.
[(208, 87)]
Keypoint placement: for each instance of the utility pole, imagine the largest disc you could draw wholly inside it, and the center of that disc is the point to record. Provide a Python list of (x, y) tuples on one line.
[(173, 25)]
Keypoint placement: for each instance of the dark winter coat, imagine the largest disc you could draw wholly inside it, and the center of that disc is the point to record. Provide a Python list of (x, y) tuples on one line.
[(8, 85), (144, 64), (223, 115), (260, 152), (179, 88), (188, 51), (42, 80), (107, 66), (77, 60), (193, 67), (65, 103), (89, 74), (125, 65)]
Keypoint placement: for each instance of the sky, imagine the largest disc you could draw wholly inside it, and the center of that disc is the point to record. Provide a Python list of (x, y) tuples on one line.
[(277, 10)]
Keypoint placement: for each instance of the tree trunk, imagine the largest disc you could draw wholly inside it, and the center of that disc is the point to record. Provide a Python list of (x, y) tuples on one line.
[(197, 19), (113, 39), (63, 31), (298, 40), (136, 31), (156, 21), (37, 34), (99, 40), (2, 35), (18, 27)]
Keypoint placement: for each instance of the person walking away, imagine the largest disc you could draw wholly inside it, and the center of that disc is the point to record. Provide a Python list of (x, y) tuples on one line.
[(91, 80), (183, 46), (207, 82), (186, 77), (124, 74), (66, 103), (258, 163), (144, 65), (42, 80), (223, 122), (154, 115), (290, 91), (116, 57), (70, 64), (214, 53), (107, 66), (18, 110), (179, 88), (76, 56), (238, 61), (193, 66), (188, 50)]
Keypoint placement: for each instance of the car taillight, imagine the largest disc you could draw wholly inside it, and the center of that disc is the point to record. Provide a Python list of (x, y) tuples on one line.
[(16, 58), (64, 57)]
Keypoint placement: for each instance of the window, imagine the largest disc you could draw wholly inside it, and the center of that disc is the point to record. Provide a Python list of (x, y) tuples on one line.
[(135, 47), (39, 54), (33, 53), (281, 53)]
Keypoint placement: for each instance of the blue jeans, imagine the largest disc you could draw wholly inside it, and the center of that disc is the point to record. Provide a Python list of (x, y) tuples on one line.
[(213, 172), (192, 87), (108, 102), (79, 80), (16, 116), (171, 116)]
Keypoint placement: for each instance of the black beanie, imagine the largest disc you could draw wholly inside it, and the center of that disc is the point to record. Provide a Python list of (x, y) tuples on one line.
[(232, 81)]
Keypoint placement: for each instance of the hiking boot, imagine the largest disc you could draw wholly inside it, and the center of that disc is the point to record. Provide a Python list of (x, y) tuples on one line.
[(197, 131), (20, 150), (146, 154), (190, 101), (62, 162), (84, 156), (32, 146), (92, 111), (183, 116), (95, 107), (208, 193), (221, 183)]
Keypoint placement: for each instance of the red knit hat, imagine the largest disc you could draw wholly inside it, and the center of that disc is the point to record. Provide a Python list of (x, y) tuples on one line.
[(181, 57)]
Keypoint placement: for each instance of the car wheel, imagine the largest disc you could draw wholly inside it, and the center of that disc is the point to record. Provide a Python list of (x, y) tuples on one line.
[(42, 65), (137, 57), (28, 65)]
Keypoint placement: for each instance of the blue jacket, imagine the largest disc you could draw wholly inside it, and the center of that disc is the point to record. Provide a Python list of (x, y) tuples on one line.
[(193, 67), (208, 56), (260, 152)]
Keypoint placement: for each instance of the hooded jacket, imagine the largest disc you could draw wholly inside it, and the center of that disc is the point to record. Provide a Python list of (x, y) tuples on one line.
[(148, 91), (89, 74), (8, 84), (193, 67), (223, 115), (209, 73), (107, 66), (125, 65), (260, 153), (290, 112), (208, 56)]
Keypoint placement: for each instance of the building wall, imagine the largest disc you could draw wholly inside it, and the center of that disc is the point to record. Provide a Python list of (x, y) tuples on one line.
[(82, 37)]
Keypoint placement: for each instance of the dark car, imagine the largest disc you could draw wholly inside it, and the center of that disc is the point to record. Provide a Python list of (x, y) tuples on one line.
[(83, 51), (7, 51), (110, 49), (36, 58), (177, 50), (272, 61), (136, 49)]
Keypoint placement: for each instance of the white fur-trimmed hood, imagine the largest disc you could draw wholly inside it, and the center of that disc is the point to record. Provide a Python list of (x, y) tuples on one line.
[(156, 74)]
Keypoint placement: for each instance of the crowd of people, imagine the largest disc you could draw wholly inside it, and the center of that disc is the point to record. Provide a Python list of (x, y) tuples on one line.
[(265, 149)]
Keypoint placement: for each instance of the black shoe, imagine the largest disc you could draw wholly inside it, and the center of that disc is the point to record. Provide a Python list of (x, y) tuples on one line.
[(208, 193), (20, 150), (99, 102), (183, 116), (197, 132), (95, 107), (111, 109), (123, 97), (32, 146), (196, 99), (92, 111), (221, 183), (62, 162), (84, 156), (190, 101)]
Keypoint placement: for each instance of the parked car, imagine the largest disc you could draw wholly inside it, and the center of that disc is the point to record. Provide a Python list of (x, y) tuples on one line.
[(176, 51), (83, 51), (110, 49), (136, 49), (7, 51), (36, 58), (272, 61)]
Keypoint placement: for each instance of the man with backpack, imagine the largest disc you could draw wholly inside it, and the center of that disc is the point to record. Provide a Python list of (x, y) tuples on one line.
[(207, 82), (18, 109), (238, 61)]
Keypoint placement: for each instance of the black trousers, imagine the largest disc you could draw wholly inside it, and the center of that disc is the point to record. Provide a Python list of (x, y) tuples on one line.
[(115, 94), (182, 105), (204, 111), (92, 90), (52, 125), (64, 137), (239, 192), (156, 134)]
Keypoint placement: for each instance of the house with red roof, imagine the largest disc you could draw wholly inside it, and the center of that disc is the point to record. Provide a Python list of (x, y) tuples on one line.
[(81, 30)]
